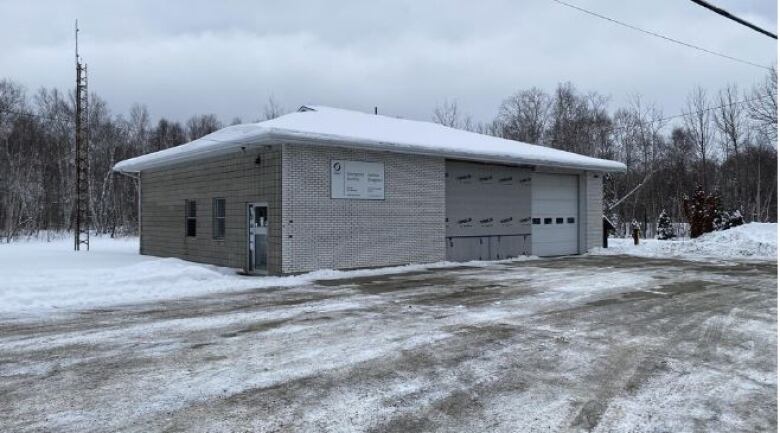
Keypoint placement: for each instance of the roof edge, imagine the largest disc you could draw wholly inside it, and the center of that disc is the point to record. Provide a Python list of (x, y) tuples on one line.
[(272, 135), (345, 142)]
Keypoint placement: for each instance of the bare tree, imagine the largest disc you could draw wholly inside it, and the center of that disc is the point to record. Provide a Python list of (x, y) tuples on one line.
[(579, 123), (762, 110), (524, 116), (139, 125), (198, 126), (762, 107), (564, 111), (167, 134), (636, 133), (698, 121), (448, 114), (730, 122), (272, 109), (730, 119)]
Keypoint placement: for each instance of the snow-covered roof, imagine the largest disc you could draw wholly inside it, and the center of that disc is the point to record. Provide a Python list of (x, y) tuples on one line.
[(317, 125)]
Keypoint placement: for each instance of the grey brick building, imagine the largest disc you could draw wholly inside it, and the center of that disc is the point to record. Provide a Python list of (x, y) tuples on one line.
[(330, 188)]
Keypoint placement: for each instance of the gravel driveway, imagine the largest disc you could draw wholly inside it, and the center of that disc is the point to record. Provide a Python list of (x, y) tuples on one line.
[(591, 343)]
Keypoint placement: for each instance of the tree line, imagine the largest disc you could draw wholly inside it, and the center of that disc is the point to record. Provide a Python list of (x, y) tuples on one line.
[(725, 142), (37, 148)]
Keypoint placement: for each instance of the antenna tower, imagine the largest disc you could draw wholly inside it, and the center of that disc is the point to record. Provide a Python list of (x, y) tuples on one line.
[(82, 214)]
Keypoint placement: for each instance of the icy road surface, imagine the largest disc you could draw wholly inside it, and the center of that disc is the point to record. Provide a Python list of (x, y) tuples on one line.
[(599, 343)]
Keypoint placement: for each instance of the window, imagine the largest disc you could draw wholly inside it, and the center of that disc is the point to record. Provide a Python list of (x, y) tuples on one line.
[(536, 220), (218, 218), (548, 220), (570, 220), (559, 220), (190, 216)]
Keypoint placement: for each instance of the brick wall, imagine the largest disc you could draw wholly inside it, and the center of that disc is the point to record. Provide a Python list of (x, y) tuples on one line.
[(307, 229), (319, 232), (237, 179)]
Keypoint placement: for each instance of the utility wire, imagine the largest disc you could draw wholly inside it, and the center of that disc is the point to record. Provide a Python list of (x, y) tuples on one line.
[(658, 35), (665, 119), (728, 15)]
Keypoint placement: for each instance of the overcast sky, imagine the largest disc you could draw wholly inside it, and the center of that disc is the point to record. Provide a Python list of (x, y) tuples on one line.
[(228, 57)]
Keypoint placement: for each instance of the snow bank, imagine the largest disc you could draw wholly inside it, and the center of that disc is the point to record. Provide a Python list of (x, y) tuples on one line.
[(757, 241), (39, 277)]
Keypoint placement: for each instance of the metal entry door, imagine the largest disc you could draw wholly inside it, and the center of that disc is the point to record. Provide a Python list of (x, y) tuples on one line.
[(258, 237)]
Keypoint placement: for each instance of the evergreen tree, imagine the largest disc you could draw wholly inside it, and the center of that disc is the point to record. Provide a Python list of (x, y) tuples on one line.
[(665, 229), (735, 219), (702, 211)]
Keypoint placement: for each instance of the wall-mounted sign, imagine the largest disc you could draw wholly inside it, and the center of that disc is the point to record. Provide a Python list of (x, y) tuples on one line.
[(357, 179)]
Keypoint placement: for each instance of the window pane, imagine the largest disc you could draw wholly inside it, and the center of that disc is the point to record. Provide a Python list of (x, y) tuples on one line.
[(261, 216), (191, 208), (218, 218), (559, 220), (548, 220), (191, 227), (219, 228), (570, 220), (219, 207), (536, 220)]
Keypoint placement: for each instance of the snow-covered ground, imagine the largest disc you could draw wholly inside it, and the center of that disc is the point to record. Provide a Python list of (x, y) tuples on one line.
[(40, 276), (43, 276), (592, 343), (754, 241)]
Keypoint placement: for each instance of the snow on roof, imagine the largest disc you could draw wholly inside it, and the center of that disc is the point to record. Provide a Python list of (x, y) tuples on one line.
[(317, 125)]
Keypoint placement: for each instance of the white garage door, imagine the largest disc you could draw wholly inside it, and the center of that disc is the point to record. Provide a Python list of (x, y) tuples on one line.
[(554, 214)]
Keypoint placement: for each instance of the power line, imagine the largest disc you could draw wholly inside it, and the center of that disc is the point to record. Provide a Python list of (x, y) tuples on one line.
[(728, 15), (658, 35), (665, 119)]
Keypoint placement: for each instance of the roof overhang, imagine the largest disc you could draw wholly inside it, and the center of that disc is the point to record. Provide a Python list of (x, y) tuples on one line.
[(272, 137), (324, 126)]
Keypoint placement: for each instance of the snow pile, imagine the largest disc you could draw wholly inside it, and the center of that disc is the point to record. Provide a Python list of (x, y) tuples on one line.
[(41, 277), (756, 241), (48, 276)]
